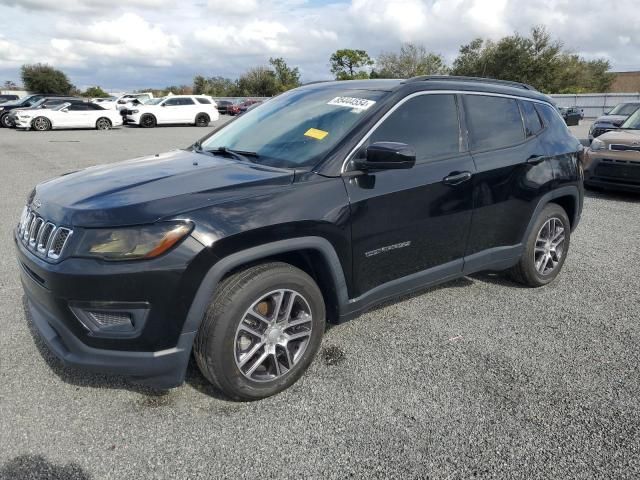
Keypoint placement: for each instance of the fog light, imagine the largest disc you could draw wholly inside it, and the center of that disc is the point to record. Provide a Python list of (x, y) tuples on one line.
[(111, 319)]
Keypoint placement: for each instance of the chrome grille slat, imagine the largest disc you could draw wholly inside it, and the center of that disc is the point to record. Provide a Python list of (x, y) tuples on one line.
[(42, 237)]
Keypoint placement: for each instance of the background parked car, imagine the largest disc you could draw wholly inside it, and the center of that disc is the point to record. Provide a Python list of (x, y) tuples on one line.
[(612, 119), (223, 106), (27, 101), (69, 115), (46, 102), (121, 102), (8, 98), (613, 159), (571, 115), (198, 110)]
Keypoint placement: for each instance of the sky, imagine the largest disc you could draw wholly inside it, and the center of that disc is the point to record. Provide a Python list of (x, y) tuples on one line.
[(124, 45)]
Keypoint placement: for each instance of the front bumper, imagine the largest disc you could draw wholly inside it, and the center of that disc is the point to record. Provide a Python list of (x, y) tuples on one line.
[(132, 119), (612, 169), (22, 122), (156, 356)]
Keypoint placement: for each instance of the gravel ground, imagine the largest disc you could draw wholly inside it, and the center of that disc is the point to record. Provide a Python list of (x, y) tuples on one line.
[(475, 378)]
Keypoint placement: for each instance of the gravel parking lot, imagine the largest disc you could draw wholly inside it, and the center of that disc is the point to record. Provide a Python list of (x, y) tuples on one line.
[(475, 378)]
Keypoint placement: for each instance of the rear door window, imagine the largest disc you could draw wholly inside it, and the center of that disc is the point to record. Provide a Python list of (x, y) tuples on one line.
[(532, 122), (493, 122), (428, 123)]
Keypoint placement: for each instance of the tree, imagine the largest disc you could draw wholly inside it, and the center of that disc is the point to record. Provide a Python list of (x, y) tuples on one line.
[(538, 60), (179, 89), (214, 86), (258, 81), (94, 92), (43, 78), (286, 77), (413, 60), (346, 64), (10, 85)]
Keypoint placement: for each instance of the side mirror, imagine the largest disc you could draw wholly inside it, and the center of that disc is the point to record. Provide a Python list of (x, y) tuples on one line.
[(607, 112), (387, 156)]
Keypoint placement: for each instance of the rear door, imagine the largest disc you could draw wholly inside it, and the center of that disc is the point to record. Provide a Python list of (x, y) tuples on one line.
[(408, 221), (513, 171)]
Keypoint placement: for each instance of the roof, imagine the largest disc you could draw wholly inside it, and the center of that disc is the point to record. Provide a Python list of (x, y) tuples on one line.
[(439, 82)]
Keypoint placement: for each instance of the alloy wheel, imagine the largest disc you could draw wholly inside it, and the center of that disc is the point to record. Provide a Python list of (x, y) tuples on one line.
[(41, 124), (273, 335), (103, 124), (549, 246)]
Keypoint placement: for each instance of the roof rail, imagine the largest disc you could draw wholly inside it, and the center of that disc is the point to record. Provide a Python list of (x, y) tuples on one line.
[(453, 78)]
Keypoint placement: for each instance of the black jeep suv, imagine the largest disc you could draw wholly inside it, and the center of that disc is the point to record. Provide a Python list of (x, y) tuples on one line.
[(312, 207)]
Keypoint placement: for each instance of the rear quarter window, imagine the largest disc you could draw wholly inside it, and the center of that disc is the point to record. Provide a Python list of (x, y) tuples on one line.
[(493, 122), (206, 101)]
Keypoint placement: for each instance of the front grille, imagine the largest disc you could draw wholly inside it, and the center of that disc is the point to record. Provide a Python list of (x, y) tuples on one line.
[(624, 148), (618, 170), (43, 238)]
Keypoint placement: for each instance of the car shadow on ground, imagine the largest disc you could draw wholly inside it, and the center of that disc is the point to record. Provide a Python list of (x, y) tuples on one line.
[(28, 467)]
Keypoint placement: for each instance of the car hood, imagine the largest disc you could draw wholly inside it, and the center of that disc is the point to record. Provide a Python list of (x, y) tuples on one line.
[(146, 189), (615, 120), (621, 137)]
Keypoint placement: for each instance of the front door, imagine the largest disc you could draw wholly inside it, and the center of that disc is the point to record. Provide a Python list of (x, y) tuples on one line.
[(408, 221)]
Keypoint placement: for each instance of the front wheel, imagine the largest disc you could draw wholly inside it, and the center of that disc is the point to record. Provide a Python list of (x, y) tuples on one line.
[(4, 121), (103, 124), (546, 248), (261, 331), (41, 124), (147, 121)]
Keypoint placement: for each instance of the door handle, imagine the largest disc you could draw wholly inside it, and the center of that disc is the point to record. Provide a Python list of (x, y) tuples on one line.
[(456, 178), (535, 159)]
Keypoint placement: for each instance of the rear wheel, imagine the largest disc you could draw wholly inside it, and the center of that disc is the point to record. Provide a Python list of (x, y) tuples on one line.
[(103, 124), (261, 331), (546, 248), (41, 124), (148, 121), (202, 120)]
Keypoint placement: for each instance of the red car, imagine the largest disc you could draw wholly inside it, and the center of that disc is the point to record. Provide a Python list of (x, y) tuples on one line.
[(239, 108)]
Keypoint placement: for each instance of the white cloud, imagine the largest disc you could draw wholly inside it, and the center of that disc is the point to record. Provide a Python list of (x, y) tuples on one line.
[(158, 42), (251, 38), (83, 5), (233, 7), (128, 38)]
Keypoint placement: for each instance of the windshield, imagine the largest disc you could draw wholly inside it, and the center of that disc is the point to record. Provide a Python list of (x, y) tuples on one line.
[(624, 109), (633, 122), (297, 128)]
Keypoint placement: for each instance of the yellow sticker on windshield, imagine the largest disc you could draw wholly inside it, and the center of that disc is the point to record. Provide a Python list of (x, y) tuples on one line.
[(315, 133)]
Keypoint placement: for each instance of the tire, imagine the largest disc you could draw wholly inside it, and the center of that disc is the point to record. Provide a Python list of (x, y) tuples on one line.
[(530, 270), (219, 343), (4, 121), (103, 123), (148, 121), (202, 120), (41, 124)]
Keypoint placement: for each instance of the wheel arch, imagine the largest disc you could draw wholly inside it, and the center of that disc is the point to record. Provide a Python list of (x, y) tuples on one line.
[(314, 255), (568, 197)]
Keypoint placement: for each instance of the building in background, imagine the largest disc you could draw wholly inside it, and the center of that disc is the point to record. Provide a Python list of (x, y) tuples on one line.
[(625, 82)]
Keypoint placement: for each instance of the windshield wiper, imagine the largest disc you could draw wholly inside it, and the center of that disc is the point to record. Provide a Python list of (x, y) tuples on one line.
[(237, 154)]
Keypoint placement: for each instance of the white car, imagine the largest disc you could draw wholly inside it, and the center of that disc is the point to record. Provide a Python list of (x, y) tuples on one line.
[(123, 101), (67, 115), (198, 110)]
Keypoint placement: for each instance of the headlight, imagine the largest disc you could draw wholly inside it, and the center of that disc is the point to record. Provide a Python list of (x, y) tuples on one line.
[(597, 144), (132, 243)]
